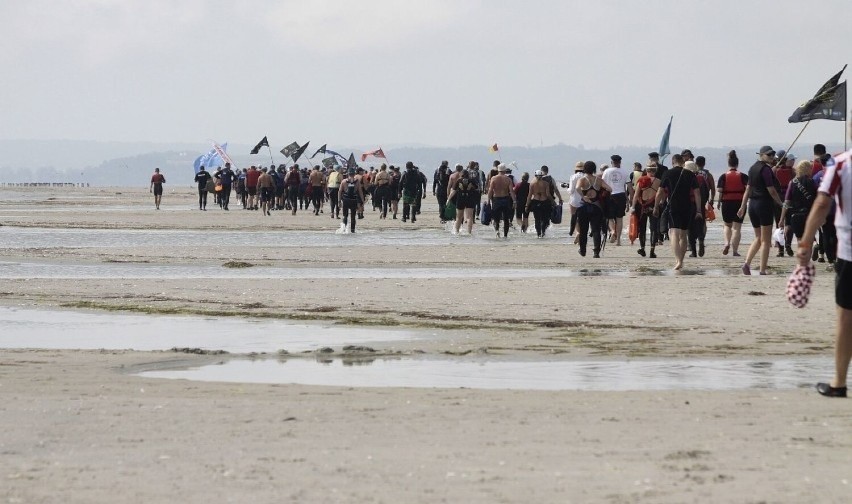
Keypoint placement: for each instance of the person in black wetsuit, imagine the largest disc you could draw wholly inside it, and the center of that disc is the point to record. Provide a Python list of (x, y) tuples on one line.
[(440, 181), (410, 186), (351, 197), (201, 178), (522, 192)]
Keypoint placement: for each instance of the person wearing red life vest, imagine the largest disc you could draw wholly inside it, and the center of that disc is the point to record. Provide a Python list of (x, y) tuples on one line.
[(731, 187)]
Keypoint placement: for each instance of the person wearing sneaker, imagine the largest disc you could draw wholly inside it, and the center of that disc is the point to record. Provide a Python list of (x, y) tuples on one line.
[(836, 185), (643, 206)]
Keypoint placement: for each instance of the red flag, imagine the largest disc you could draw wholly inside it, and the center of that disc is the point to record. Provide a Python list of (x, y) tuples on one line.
[(376, 153)]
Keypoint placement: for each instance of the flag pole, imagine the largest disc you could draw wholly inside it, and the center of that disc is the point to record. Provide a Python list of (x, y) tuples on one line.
[(270, 153), (794, 143)]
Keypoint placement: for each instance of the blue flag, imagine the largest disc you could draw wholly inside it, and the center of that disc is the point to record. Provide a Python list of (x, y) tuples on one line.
[(664, 142), (209, 160)]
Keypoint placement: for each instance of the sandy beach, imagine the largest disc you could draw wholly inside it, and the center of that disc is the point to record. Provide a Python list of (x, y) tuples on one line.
[(81, 427)]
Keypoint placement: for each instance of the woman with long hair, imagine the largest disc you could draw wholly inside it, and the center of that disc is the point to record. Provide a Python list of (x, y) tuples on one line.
[(590, 214)]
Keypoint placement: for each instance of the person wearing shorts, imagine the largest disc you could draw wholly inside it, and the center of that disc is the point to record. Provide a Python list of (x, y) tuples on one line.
[(836, 184), (157, 181), (760, 198), (680, 187), (617, 205), (731, 187)]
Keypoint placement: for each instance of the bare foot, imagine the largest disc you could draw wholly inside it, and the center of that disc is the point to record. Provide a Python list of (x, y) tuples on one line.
[(678, 266)]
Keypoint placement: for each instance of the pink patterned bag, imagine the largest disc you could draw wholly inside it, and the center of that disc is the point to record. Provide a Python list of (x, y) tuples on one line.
[(799, 285)]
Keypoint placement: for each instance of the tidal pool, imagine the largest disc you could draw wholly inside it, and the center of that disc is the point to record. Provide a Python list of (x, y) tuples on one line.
[(69, 329), (505, 373)]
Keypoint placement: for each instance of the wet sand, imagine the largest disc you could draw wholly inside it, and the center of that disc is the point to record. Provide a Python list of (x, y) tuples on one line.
[(82, 429)]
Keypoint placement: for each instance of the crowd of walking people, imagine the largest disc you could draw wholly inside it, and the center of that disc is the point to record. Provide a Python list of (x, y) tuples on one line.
[(658, 203)]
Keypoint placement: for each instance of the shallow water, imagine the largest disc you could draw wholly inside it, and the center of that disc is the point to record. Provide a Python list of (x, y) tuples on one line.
[(20, 237), (497, 373), (65, 270), (68, 329)]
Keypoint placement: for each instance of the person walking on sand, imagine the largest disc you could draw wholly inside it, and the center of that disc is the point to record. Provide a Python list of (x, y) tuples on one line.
[(644, 195), (731, 188), (293, 181), (615, 177), (351, 197), (836, 185), (266, 188), (201, 178), (157, 181), (411, 186), (501, 197), (316, 180), (590, 214), (522, 192), (760, 197), (440, 185), (800, 196), (680, 189), (464, 196)]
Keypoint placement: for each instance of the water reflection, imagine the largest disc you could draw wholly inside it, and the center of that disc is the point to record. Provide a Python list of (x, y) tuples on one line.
[(498, 373), (66, 329), (66, 270)]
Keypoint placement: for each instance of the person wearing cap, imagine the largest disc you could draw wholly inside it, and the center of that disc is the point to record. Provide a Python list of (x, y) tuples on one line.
[(575, 199), (680, 189), (644, 195), (351, 197), (538, 202), (654, 157), (616, 206), (501, 197), (759, 198)]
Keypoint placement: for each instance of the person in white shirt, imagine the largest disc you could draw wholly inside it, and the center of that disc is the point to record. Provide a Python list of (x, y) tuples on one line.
[(575, 200), (836, 184), (616, 207)]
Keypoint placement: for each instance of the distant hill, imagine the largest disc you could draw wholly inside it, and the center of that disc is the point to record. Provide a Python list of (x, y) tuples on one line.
[(130, 163)]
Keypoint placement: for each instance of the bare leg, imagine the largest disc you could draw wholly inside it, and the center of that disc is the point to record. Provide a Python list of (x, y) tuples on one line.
[(754, 248), (678, 239), (736, 235), (619, 225), (459, 220), (468, 215), (843, 346), (766, 245)]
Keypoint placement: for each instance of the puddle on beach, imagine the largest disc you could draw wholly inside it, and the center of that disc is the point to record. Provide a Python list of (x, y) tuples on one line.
[(65, 270), (497, 373), (68, 329), (22, 237)]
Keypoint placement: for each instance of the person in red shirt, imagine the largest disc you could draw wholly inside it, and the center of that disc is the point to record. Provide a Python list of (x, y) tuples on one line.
[(157, 181), (251, 187)]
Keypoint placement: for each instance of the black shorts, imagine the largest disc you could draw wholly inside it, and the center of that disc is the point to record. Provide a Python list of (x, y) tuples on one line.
[(729, 212), (843, 284), (252, 191), (615, 206), (761, 212), (681, 218), (158, 189), (266, 194)]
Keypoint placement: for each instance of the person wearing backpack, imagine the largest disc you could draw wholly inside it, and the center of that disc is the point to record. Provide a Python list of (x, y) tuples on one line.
[(798, 200)]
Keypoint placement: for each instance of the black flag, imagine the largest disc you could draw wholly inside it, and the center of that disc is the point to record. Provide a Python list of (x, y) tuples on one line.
[(351, 163), (826, 93), (300, 151), (290, 149), (330, 162), (321, 150), (830, 105), (262, 143)]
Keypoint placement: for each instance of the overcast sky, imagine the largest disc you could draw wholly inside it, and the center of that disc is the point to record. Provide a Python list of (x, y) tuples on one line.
[(441, 72)]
